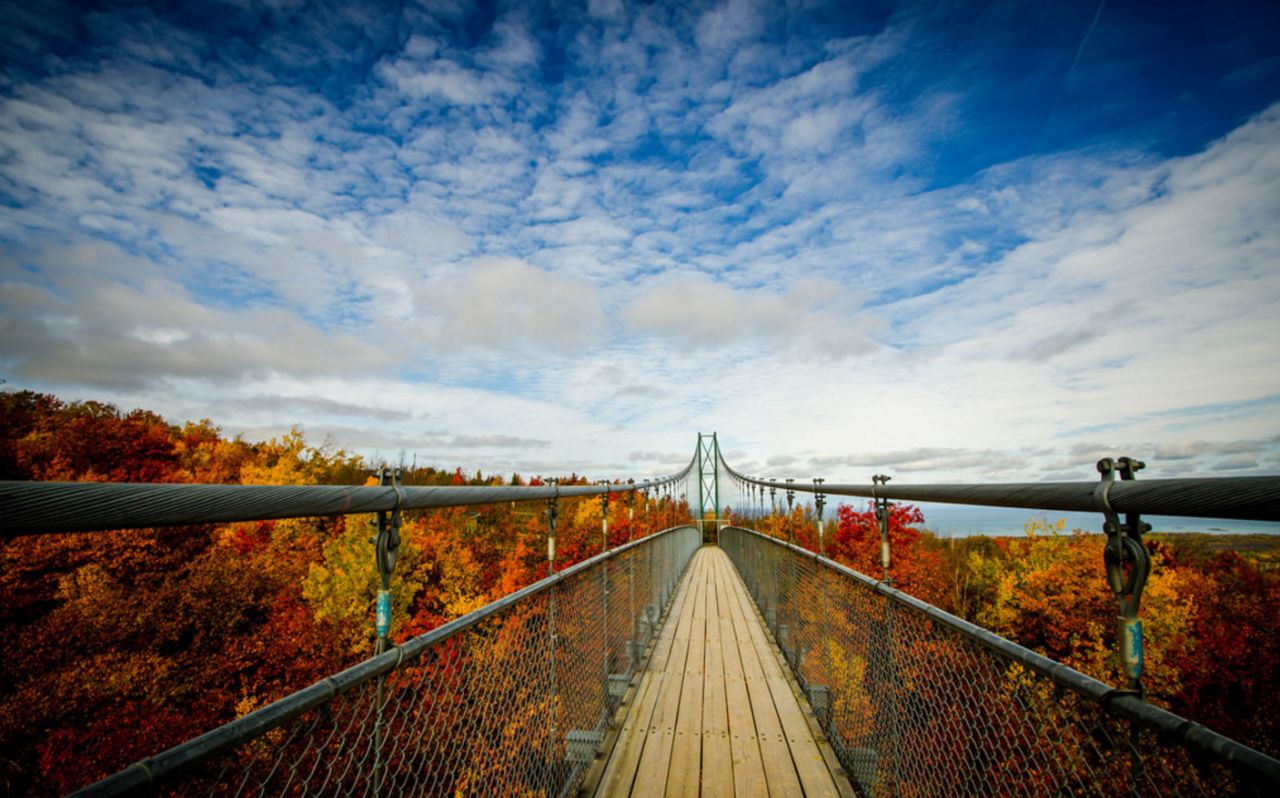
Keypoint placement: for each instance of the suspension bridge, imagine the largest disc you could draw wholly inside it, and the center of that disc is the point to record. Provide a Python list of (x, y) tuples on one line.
[(706, 659)]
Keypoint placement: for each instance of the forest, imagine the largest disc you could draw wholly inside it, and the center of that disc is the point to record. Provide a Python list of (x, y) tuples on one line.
[(120, 644)]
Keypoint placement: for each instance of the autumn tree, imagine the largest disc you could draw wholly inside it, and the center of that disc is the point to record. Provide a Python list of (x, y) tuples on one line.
[(914, 566)]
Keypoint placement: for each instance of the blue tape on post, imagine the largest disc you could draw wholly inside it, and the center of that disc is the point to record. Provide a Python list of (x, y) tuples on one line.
[(1132, 648), (383, 617)]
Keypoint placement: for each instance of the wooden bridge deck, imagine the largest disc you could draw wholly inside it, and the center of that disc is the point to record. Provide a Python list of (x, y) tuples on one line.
[(715, 713)]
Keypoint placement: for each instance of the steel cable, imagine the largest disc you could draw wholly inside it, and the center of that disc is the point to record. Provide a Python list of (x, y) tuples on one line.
[(1243, 498), (45, 507)]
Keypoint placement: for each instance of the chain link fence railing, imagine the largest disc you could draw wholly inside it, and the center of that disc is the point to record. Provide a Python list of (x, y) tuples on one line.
[(512, 699), (917, 702)]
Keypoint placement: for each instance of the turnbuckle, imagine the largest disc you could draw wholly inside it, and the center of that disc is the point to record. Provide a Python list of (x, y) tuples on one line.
[(388, 523), (386, 547), (1127, 562)]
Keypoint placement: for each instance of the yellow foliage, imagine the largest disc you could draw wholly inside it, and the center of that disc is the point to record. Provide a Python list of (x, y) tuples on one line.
[(288, 460), (344, 586), (460, 583)]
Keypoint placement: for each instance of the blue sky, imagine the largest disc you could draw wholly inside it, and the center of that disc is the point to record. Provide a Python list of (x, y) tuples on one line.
[(942, 240)]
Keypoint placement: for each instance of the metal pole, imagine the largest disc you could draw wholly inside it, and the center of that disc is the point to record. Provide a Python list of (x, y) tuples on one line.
[(604, 602), (386, 547), (631, 580), (882, 515), (820, 503), (552, 512)]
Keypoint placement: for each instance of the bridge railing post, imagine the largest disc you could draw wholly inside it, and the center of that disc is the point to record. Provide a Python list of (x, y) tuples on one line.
[(607, 659), (552, 640), (882, 515), (1128, 565), (386, 547), (820, 503), (632, 654)]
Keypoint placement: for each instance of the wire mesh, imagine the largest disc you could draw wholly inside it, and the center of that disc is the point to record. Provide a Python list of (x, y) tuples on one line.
[(914, 705), (514, 701)]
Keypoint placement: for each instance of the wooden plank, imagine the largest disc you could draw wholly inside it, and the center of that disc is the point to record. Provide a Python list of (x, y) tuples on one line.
[(779, 770), (717, 753), (685, 769), (744, 744), (715, 712), (659, 735), (809, 764), (620, 772)]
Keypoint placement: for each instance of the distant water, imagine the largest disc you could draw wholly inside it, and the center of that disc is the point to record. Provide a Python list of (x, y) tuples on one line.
[(958, 520)]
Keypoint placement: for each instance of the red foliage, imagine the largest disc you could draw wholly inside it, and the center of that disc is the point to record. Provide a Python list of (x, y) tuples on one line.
[(128, 642), (913, 567), (1230, 677), (250, 537), (84, 751)]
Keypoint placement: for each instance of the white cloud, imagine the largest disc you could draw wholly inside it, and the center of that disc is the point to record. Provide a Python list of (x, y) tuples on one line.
[(814, 317), (691, 224), (729, 23), (507, 305)]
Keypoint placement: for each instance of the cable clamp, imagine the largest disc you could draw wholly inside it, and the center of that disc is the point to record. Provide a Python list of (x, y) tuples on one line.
[(388, 524)]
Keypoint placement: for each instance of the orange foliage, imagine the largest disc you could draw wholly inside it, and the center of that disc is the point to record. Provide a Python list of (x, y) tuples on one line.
[(119, 644)]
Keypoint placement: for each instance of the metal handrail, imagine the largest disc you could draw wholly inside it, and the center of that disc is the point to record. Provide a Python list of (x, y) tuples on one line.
[(28, 508), (1244, 498)]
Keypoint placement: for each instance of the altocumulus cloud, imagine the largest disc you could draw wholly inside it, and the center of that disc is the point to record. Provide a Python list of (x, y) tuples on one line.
[(819, 229)]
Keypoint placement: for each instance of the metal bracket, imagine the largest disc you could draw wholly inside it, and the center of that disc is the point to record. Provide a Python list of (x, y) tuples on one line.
[(387, 522), (819, 696), (604, 516), (882, 515), (581, 745), (820, 504), (1127, 562), (619, 683), (553, 509), (791, 494), (386, 547)]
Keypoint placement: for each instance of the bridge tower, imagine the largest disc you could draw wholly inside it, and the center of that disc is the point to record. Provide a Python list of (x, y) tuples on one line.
[(708, 482)]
